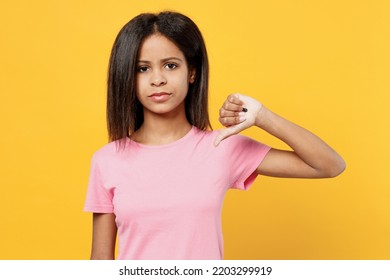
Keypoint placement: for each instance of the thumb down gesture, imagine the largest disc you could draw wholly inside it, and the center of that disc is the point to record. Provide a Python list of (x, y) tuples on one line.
[(237, 113)]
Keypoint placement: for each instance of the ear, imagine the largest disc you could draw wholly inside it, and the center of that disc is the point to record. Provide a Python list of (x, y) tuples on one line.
[(192, 76)]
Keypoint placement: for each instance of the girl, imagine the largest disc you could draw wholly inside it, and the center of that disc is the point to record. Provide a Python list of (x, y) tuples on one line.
[(160, 182)]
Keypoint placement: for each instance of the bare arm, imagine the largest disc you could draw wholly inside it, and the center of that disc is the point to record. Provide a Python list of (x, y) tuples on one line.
[(310, 156), (104, 236)]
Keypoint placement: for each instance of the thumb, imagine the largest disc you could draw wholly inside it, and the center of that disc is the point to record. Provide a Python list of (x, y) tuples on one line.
[(225, 133)]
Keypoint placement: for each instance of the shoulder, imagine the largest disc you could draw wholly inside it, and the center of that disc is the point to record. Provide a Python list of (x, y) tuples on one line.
[(205, 134), (110, 151), (204, 138), (237, 141), (211, 134), (241, 143)]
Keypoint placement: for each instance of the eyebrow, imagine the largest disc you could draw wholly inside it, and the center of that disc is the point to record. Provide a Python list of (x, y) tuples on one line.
[(162, 60)]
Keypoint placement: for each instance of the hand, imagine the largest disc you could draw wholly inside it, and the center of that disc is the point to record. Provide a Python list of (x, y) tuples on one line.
[(234, 118)]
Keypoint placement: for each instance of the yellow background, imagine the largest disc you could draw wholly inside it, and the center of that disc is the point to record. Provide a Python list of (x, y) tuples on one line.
[(322, 64)]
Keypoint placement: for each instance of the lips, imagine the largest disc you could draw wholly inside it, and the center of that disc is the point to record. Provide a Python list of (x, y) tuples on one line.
[(160, 96)]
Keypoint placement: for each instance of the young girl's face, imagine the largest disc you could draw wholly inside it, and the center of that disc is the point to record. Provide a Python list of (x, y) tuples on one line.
[(162, 76)]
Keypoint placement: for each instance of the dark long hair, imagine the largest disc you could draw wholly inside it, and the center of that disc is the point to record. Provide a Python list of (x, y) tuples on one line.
[(124, 111)]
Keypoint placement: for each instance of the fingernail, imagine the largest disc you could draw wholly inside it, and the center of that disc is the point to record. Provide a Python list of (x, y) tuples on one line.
[(241, 114), (242, 119)]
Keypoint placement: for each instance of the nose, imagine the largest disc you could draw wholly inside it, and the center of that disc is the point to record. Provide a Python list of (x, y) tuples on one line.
[(158, 79)]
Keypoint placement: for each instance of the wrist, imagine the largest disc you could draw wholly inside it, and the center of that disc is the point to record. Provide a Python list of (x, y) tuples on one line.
[(261, 117)]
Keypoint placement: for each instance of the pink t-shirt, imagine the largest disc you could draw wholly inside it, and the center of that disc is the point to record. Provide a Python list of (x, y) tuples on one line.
[(168, 199)]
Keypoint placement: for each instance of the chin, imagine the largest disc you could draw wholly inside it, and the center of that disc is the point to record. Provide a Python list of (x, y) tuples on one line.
[(160, 111), (164, 109)]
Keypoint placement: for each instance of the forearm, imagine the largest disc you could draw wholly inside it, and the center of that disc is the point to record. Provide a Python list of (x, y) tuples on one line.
[(307, 146), (103, 236)]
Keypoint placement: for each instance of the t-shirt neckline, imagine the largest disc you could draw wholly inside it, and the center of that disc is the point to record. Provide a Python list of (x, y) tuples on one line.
[(189, 134)]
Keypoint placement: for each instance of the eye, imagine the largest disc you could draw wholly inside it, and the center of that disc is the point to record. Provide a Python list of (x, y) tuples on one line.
[(170, 66), (142, 69)]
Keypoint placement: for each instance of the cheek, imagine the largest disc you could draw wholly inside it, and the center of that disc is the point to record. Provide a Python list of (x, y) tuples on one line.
[(183, 83), (139, 86)]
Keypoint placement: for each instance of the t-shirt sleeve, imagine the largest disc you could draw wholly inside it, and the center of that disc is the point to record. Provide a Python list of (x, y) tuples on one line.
[(244, 155), (99, 199)]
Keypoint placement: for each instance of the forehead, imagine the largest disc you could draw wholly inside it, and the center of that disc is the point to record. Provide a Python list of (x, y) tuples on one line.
[(158, 47)]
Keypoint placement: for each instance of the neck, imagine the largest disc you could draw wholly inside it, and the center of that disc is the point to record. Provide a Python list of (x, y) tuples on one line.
[(161, 129)]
